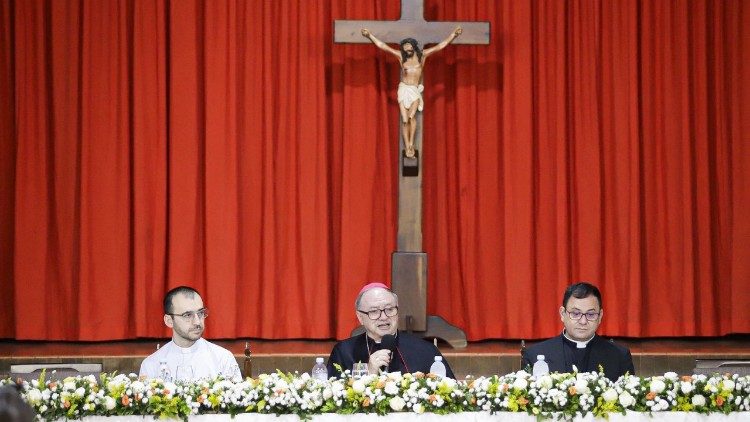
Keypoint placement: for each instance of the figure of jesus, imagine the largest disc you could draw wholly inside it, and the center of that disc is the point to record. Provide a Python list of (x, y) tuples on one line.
[(412, 60)]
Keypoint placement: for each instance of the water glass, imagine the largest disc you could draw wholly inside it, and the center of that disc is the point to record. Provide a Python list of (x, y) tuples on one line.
[(360, 370), (184, 373)]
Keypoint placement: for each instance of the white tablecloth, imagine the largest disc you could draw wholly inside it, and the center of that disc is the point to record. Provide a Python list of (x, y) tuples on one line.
[(428, 417)]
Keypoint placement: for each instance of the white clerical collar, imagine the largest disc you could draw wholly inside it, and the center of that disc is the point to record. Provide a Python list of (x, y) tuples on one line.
[(189, 350), (579, 344), (381, 338)]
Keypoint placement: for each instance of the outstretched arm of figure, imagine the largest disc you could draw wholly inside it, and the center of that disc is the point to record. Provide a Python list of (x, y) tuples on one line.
[(380, 44), (444, 43)]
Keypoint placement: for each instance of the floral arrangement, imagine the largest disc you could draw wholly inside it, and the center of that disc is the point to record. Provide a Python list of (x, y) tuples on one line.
[(546, 396)]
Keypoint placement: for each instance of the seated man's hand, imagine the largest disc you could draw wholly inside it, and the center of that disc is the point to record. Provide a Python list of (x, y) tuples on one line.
[(377, 360)]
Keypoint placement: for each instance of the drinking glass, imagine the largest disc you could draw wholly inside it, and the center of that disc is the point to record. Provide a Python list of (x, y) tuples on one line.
[(184, 373), (360, 369)]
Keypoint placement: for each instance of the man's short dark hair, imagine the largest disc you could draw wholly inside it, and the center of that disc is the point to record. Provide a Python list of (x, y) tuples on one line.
[(581, 291), (12, 406), (185, 290)]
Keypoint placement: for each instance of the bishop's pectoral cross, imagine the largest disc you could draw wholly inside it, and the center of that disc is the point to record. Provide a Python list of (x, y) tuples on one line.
[(409, 262)]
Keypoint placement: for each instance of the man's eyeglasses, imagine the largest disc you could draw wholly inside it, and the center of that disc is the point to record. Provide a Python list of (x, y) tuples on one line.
[(576, 315), (188, 316), (375, 313)]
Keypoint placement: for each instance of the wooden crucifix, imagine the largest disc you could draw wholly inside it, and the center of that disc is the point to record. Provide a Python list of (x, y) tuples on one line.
[(409, 261)]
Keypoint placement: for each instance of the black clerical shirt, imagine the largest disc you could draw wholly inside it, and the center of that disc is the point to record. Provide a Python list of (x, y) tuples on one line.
[(411, 354), (561, 354)]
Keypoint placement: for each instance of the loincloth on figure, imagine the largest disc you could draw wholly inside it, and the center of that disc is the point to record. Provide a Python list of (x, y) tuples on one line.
[(407, 94)]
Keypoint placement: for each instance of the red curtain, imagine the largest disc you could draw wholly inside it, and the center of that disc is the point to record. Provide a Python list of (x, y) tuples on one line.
[(231, 146)]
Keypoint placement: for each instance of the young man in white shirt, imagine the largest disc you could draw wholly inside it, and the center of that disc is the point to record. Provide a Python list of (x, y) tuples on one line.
[(188, 356)]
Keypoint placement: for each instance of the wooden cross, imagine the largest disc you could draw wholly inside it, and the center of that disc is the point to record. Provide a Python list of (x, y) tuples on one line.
[(411, 25), (409, 262)]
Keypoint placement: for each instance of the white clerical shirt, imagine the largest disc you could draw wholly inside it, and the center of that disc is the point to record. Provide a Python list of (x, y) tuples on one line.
[(203, 359)]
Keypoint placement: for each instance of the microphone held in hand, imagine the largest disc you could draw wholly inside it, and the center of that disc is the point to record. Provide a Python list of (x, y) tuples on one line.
[(388, 342)]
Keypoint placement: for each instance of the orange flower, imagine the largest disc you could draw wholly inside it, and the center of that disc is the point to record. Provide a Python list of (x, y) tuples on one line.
[(572, 390), (125, 400), (650, 395), (418, 375), (366, 402), (719, 400), (66, 404), (506, 387), (687, 378), (380, 384), (522, 401), (52, 385), (200, 399), (473, 400), (432, 398), (166, 392)]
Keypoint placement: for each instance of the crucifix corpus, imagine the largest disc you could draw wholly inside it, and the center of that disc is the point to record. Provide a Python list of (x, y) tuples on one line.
[(409, 261)]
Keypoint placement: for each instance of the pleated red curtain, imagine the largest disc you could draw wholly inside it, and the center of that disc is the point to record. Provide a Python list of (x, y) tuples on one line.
[(231, 146)]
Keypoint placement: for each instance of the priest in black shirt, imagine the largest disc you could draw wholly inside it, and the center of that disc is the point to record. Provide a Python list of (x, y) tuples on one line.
[(581, 313), (381, 346)]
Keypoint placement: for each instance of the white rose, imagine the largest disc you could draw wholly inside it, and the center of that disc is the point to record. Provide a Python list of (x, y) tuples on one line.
[(626, 400), (69, 385), (686, 387), (327, 393), (418, 408), (727, 385), (448, 382), (109, 403), (657, 386), (395, 376), (520, 383), (545, 381), (80, 391), (358, 386), (672, 376), (698, 400), (610, 395), (391, 388), (34, 396), (582, 387), (137, 386), (337, 387), (397, 403)]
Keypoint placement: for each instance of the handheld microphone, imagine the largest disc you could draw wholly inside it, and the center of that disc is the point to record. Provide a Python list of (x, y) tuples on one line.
[(388, 342)]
